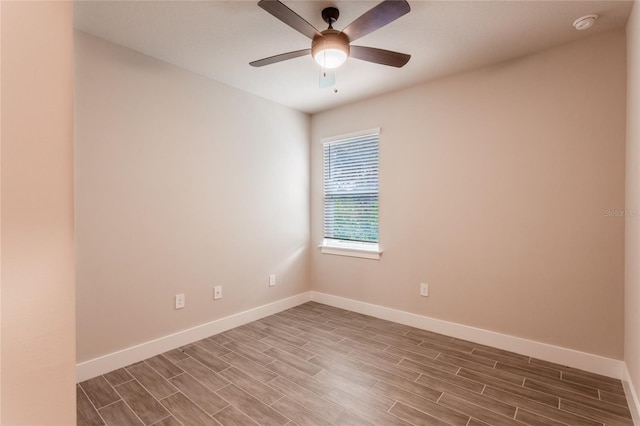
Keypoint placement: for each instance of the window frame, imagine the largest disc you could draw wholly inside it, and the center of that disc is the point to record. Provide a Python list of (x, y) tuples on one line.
[(366, 250)]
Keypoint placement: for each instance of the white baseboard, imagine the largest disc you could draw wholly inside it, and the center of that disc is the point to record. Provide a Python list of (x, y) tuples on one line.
[(584, 361), (104, 364), (569, 357), (632, 396)]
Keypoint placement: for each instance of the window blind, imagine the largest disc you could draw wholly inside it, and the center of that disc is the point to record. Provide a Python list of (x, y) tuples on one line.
[(350, 178)]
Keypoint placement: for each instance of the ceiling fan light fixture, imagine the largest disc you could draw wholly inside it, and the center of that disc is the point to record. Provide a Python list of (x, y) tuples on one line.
[(330, 58), (331, 49)]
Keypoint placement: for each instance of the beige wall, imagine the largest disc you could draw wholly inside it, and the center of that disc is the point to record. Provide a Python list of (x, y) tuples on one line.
[(493, 187), (38, 321), (182, 183), (0, 211), (632, 225)]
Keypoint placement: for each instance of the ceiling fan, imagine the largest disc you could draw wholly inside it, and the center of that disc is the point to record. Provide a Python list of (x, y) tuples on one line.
[(331, 48)]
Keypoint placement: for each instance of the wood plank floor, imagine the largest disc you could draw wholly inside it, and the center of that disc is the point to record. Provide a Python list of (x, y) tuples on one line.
[(316, 365)]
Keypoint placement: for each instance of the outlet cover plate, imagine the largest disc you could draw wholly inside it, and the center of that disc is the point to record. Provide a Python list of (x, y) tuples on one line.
[(180, 301), (424, 289)]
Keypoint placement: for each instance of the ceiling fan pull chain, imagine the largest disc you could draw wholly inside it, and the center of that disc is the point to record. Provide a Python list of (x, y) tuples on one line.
[(324, 54), (327, 78)]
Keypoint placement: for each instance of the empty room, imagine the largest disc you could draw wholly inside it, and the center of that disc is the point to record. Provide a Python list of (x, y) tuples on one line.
[(320, 213)]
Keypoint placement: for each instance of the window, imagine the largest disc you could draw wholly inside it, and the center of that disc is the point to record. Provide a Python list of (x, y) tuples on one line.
[(350, 176)]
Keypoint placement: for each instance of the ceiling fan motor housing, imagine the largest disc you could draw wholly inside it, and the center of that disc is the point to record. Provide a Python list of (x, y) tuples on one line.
[(329, 41)]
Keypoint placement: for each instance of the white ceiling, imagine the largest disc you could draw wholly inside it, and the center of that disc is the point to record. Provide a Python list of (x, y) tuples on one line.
[(218, 39)]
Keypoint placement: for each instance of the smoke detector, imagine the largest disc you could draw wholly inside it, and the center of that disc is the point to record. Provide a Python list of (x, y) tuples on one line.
[(585, 22)]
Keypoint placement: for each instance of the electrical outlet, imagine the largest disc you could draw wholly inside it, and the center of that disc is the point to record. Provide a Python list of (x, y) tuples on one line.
[(272, 280), (217, 292), (424, 289), (180, 301)]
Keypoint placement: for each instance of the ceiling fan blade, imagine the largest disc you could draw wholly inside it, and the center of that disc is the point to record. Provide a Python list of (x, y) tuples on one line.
[(380, 56), (279, 58), (289, 17), (381, 15)]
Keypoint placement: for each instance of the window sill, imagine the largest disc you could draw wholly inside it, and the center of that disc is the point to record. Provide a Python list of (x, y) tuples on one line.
[(372, 252)]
